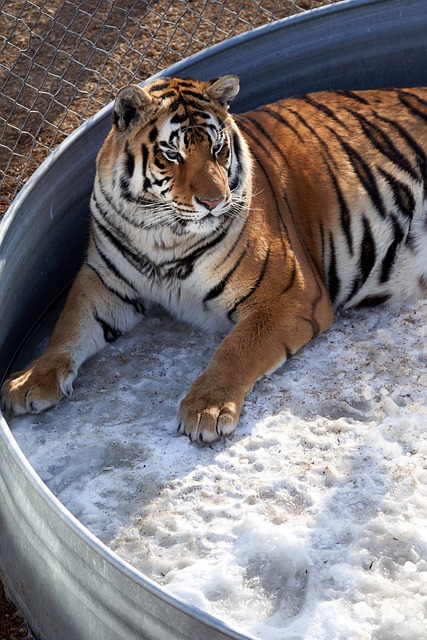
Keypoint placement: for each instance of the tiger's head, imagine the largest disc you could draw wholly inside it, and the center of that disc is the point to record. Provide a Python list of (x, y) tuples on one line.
[(175, 153)]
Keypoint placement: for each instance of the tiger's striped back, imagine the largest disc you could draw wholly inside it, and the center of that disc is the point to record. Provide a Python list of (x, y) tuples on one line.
[(354, 178)]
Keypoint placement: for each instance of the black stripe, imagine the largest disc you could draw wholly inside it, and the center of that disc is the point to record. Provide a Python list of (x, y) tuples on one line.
[(279, 117), (309, 99), (112, 228), (111, 265), (367, 259), (130, 162), (388, 262), (345, 216), (220, 286), (179, 118), (412, 144), (159, 182), (351, 94), (266, 135), (293, 275), (204, 244), (287, 351), (237, 147), (416, 105), (237, 151), (319, 282), (415, 148), (314, 325), (322, 240), (364, 174), (402, 195), (160, 165), (391, 254), (334, 283), (184, 267), (137, 304), (179, 102), (374, 301), (160, 85), (154, 132), (124, 188), (307, 253), (110, 333), (187, 82), (367, 251), (234, 245), (354, 289), (253, 288), (381, 141), (324, 145), (108, 215), (168, 94), (138, 261), (194, 94), (121, 213), (144, 151), (147, 183)]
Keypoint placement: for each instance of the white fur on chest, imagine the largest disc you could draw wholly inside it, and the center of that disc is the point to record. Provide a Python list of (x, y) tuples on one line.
[(184, 300), (162, 278)]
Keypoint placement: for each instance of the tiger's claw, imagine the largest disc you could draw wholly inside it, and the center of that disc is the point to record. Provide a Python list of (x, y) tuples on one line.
[(37, 388), (209, 412)]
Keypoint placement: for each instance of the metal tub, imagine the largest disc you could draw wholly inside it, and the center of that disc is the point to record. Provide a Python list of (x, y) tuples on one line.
[(67, 583)]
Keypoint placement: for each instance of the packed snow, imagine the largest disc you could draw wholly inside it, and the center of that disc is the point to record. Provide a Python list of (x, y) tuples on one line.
[(309, 523)]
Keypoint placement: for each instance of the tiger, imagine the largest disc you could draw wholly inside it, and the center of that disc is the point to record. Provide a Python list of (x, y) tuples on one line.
[(259, 226)]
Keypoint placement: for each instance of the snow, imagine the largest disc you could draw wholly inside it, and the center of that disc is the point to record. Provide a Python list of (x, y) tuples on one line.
[(309, 523)]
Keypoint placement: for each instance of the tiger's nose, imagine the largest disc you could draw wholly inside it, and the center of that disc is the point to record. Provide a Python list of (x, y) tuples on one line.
[(209, 203)]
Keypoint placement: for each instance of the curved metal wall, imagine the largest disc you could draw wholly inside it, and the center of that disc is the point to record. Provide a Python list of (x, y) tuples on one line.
[(68, 584)]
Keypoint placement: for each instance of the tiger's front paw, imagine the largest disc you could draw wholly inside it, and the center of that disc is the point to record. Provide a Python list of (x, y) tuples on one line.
[(210, 411), (39, 387)]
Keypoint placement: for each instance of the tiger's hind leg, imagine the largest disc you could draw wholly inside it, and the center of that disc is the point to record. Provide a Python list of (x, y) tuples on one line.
[(93, 315)]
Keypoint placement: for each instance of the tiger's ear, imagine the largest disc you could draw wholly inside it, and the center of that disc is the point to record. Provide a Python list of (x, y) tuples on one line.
[(224, 89), (131, 104)]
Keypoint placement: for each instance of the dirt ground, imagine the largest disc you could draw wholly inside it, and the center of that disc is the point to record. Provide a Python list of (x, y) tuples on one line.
[(62, 60), (12, 624)]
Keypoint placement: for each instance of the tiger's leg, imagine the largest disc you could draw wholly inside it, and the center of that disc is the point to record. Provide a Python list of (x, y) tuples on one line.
[(257, 345), (93, 315)]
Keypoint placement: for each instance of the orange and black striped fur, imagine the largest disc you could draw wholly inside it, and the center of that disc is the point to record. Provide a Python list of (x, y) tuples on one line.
[(260, 225)]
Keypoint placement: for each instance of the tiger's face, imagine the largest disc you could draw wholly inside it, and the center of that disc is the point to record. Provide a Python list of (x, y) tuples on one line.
[(174, 153)]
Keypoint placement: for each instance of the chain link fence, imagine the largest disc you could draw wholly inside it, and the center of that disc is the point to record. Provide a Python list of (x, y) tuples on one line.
[(62, 60)]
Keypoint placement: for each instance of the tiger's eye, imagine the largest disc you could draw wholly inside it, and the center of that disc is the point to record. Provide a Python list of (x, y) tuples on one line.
[(172, 156), (217, 148)]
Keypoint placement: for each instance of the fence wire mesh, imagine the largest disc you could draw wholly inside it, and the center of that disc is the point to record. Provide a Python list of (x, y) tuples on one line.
[(62, 60)]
